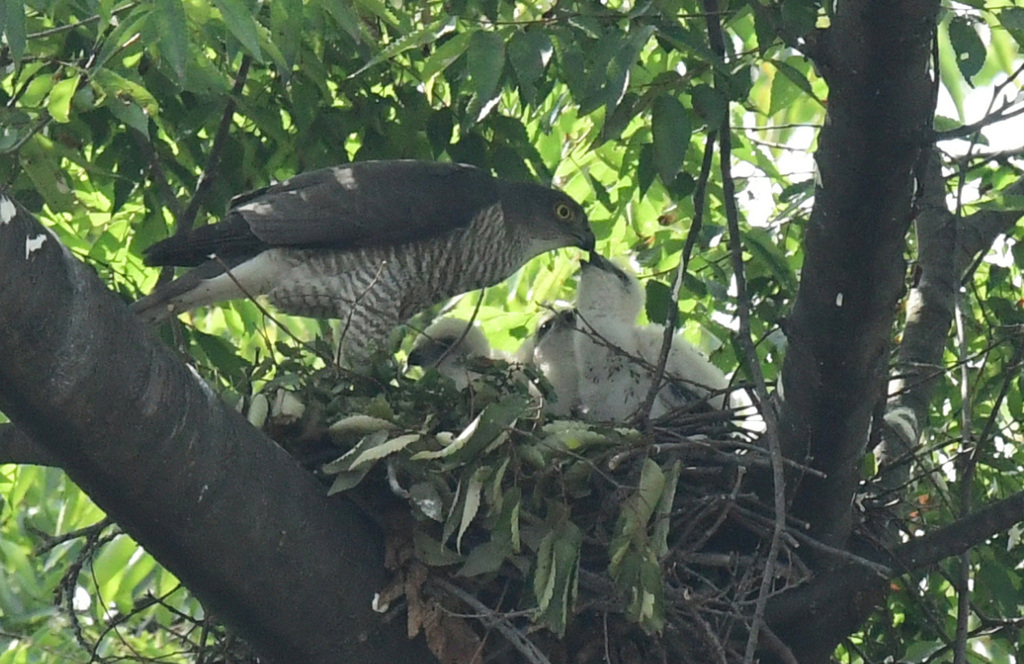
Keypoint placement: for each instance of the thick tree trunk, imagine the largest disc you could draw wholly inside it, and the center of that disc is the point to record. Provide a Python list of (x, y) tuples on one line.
[(875, 58), (224, 508)]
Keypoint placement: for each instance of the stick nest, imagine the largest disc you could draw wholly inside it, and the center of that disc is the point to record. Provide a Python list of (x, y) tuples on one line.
[(514, 538)]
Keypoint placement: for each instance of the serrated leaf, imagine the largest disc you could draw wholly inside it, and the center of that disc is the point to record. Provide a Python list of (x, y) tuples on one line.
[(494, 493), (557, 575), (670, 127), (444, 55), (171, 30), (485, 60), (634, 515), (970, 50), (240, 22), (494, 421), (385, 449), (431, 552), (345, 17), (544, 574), (344, 463), (359, 424), (414, 39), (506, 527), (123, 89), (380, 10), (662, 521), (58, 104), (347, 479), (12, 25)]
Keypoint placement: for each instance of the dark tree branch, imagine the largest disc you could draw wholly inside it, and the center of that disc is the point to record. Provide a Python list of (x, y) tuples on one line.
[(875, 58), (853, 590), (946, 250), (677, 283), (188, 218), (16, 447), (929, 313), (250, 532), (954, 539)]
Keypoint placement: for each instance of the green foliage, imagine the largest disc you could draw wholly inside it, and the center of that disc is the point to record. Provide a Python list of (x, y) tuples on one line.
[(110, 113)]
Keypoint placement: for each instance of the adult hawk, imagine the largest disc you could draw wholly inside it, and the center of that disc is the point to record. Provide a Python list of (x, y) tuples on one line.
[(370, 243)]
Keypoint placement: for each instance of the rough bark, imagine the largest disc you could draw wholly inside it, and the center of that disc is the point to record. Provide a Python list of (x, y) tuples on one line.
[(251, 533), (875, 58), (929, 313), (16, 447), (946, 247)]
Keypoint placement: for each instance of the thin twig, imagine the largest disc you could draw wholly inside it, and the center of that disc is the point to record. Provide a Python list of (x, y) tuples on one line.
[(495, 620), (187, 219), (677, 283), (746, 343)]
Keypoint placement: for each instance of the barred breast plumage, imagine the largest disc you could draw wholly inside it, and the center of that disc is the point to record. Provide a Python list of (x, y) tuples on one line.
[(370, 243)]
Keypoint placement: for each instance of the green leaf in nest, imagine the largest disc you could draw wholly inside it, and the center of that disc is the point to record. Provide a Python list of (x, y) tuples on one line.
[(556, 577), (486, 558), (431, 552), (635, 514), (495, 421)]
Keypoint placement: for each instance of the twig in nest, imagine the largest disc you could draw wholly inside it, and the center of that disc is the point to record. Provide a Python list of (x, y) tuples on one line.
[(495, 620)]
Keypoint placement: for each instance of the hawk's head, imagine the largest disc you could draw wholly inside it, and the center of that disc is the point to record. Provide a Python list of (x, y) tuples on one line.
[(548, 217)]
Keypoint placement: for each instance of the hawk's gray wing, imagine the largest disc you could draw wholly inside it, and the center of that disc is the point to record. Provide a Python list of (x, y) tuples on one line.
[(371, 203)]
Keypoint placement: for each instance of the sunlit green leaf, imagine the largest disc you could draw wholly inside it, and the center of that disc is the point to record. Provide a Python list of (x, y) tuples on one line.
[(170, 28), (414, 39), (445, 54), (485, 60), (59, 101), (239, 20), (670, 124)]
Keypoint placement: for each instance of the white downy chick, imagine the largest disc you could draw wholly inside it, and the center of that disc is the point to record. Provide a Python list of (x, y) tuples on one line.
[(552, 350), (617, 358), (450, 345)]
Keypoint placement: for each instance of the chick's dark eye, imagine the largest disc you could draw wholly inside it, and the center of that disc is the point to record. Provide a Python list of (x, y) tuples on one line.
[(562, 211)]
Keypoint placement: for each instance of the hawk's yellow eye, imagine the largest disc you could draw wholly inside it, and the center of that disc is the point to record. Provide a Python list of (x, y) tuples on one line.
[(562, 211)]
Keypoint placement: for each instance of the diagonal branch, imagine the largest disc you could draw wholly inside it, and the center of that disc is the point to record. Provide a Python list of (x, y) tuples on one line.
[(188, 217), (17, 447), (251, 533)]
